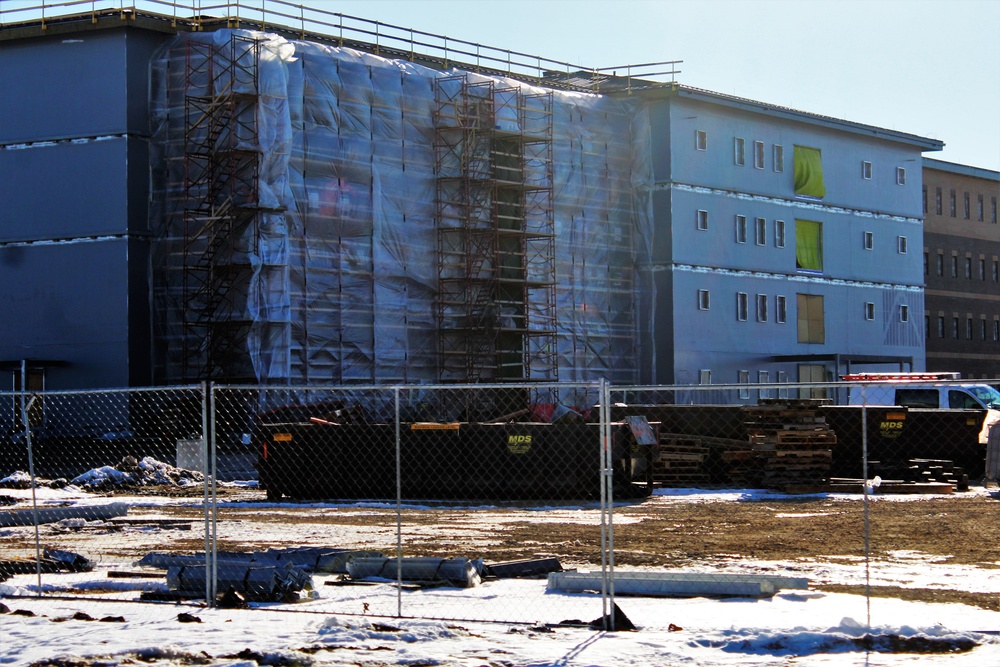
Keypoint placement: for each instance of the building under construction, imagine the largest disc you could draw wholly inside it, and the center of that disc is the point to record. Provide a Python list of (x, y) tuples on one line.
[(238, 200), (326, 215)]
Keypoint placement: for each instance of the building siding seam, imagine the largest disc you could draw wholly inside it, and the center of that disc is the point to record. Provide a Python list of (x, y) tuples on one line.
[(790, 203), (788, 277)]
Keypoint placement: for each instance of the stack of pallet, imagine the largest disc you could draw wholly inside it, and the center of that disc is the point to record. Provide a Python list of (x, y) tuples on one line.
[(790, 443), (929, 473), (679, 460)]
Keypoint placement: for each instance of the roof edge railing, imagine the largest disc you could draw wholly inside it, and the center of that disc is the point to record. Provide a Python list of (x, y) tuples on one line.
[(378, 37)]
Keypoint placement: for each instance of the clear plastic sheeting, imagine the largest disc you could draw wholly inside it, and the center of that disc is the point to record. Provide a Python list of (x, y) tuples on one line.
[(340, 236)]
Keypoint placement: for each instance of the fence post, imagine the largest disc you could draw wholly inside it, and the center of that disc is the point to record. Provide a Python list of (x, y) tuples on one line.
[(607, 502), (399, 511), (207, 415), (25, 412), (867, 490)]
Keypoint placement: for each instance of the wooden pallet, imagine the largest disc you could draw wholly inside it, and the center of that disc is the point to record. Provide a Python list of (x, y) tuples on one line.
[(789, 441), (679, 460)]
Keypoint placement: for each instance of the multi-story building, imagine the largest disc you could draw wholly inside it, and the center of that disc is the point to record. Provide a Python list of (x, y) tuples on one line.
[(962, 269), (787, 244), (251, 205)]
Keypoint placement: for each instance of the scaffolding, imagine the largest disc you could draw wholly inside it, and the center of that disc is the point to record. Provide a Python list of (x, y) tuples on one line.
[(222, 163), (496, 303)]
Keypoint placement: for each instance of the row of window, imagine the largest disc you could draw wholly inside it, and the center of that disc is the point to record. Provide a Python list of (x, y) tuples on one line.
[(956, 328), (809, 238), (868, 243), (741, 228), (810, 312), (777, 156), (966, 205), (739, 151), (968, 264), (743, 377)]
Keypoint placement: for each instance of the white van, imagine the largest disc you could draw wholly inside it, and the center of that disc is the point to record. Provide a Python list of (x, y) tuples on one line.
[(926, 390)]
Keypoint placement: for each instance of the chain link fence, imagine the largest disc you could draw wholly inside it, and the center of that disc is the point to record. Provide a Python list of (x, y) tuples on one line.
[(498, 503)]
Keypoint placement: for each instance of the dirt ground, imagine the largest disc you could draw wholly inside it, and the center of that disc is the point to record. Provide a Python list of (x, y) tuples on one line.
[(957, 529)]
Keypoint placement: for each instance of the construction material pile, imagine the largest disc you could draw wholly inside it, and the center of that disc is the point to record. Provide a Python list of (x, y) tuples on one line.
[(790, 444)]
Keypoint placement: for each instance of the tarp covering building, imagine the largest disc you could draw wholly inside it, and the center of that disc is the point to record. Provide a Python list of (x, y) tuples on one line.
[(331, 216)]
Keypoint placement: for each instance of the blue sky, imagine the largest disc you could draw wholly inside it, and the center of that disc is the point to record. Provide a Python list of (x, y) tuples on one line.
[(926, 67)]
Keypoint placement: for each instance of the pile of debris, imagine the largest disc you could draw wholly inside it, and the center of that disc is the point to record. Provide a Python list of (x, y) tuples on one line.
[(134, 473), (286, 575)]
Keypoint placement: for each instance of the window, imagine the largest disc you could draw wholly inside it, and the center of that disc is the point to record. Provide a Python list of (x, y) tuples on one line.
[(809, 172), (743, 377), (741, 306), (937, 201), (763, 377), (996, 273), (968, 268), (982, 328), (704, 376), (808, 245), (762, 308), (741, 229), (700, 140), (739, 151), (917, 398), (982, 269), (779, 233), (925, 200), (901, 245), (927, 262), (940, 327), (866, 170), (904, 313), (980, 208), (780, 309), (940, 264), (810, 318), (703, 299), (966, 206), (783, 379), (954, 328), (900, 176), (760, 227), (758, 154), (869, 310), (993, 205), (702, 219), (869, 241), (954, 266), (996, 330), (968, 328), (778, 157), (951, 204)]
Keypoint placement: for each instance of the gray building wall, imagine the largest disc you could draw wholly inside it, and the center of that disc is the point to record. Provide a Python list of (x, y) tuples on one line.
[(74, 179), (716, 259)]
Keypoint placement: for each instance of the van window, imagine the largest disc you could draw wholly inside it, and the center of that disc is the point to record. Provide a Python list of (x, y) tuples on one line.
[(987, 394), (918, 398), (961, 400)]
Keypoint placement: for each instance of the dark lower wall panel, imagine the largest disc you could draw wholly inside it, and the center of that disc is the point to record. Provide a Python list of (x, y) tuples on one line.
[(68, 302), (64, 191)]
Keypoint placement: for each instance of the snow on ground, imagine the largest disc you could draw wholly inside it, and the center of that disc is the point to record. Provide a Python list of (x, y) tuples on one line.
[(801, 628), (354, 625)]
